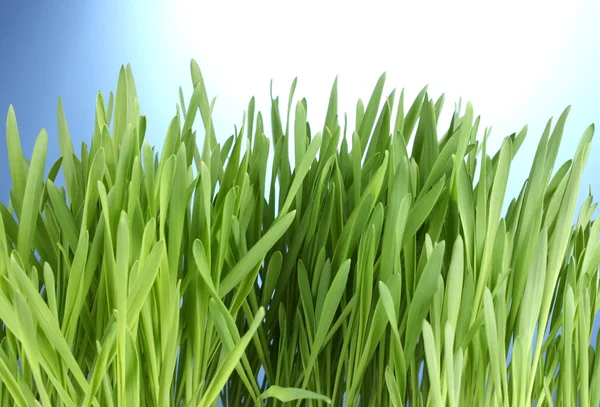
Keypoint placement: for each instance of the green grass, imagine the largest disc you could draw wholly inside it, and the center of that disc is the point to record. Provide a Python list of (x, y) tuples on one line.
[(316, 266)]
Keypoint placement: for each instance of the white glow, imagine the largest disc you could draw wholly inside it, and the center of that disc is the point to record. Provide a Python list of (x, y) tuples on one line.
[(491, 53)]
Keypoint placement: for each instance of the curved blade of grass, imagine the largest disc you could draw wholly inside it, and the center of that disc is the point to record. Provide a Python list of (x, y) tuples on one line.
[(422, 298), (16, 160), (31, 198), (288, 394), (255, 254), (230, 362)]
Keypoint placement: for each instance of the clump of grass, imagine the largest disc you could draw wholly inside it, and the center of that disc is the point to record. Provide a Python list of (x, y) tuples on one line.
[(361, 274)]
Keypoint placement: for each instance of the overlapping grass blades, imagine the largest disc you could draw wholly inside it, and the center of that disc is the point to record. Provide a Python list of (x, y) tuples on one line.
[(210, 272)]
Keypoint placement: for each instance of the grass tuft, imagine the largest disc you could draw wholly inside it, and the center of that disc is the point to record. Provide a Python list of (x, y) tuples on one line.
[(309, 268)]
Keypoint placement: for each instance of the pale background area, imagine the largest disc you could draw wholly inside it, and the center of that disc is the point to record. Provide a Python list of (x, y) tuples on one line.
[(518, 62)]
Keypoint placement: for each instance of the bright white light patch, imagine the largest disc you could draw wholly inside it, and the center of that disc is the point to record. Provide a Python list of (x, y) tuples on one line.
[(489, 53)]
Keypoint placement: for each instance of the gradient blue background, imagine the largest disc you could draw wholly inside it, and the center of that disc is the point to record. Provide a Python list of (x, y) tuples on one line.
[(74, 49)]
